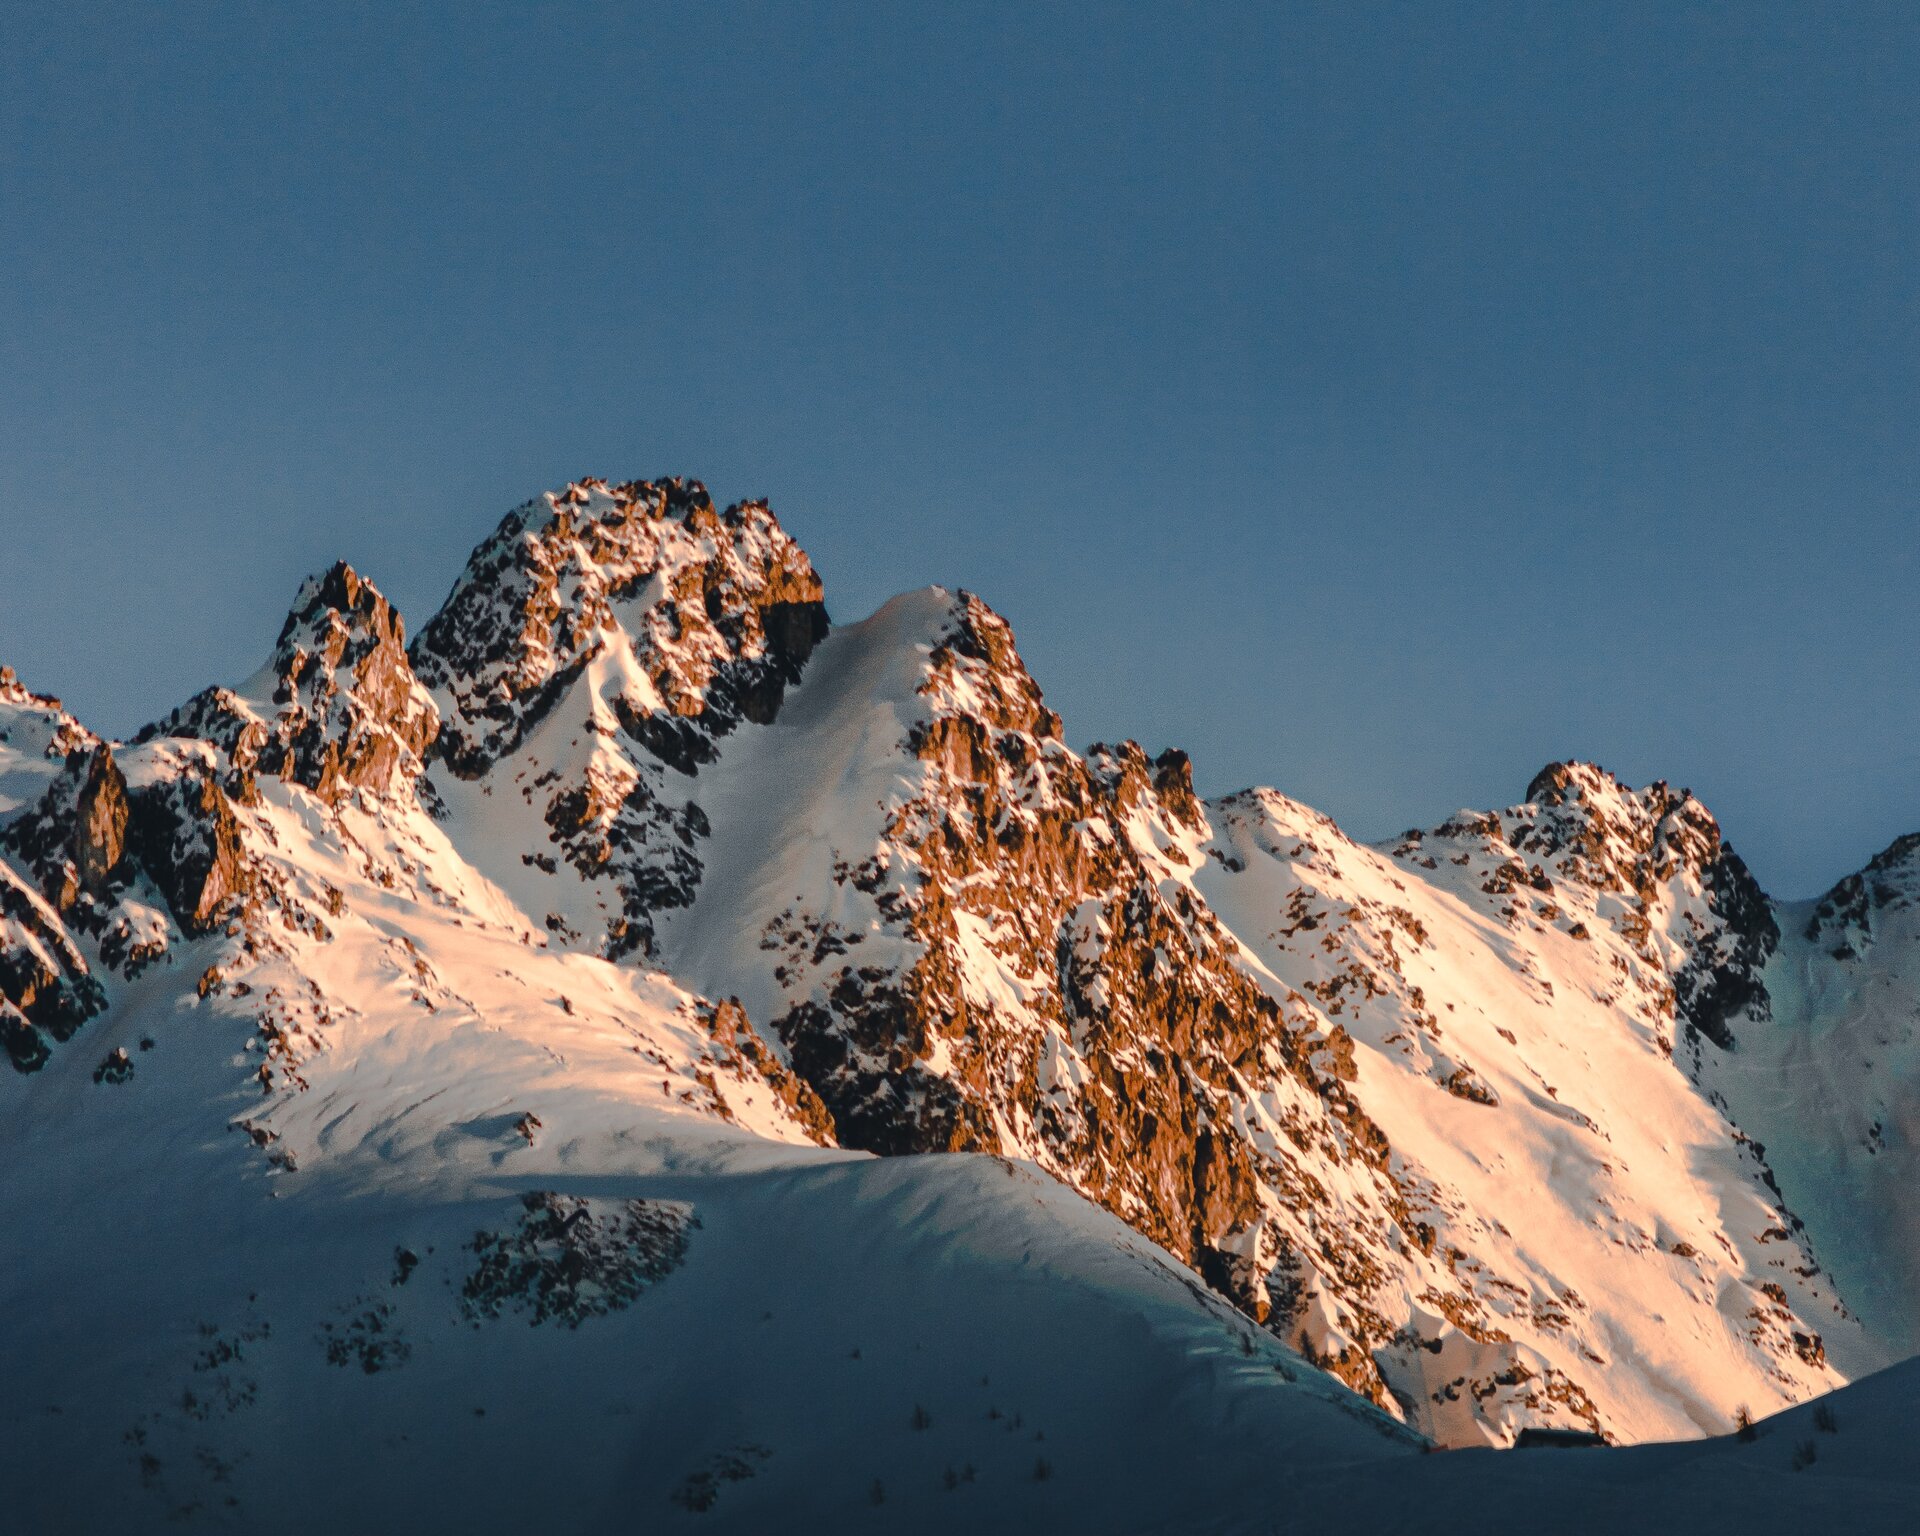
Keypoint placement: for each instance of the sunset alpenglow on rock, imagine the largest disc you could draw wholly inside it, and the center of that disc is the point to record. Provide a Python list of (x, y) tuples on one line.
[(633, 645)]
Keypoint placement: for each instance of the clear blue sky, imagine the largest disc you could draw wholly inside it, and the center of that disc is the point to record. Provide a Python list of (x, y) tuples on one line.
[(1376, 400)]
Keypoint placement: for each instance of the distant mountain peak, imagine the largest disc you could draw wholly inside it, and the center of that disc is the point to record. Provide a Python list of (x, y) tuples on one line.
[(38, 723), (1844, 920)]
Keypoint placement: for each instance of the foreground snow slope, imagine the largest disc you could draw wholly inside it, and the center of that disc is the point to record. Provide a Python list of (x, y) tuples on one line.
[(1844, 1463), (837, 1338)]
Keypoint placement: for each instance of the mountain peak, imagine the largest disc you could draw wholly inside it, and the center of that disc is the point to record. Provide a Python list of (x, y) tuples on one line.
[(1843, 920), (38, 723), (346, 596), (712, 614), (336, 708), (1572, 779), (1663, 848), (350, 712), (976, 667), (1613, 836)]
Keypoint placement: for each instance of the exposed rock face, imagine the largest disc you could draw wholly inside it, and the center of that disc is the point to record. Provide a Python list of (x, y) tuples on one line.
[(337, 708), (74, 838), (67, 839), (188, 839), (721, 611), (591, 657), (741, 1048), (1830, 1082), (336, 711), (74, 844), (352, 714), (100, 822), (1692, 892), (46, 989), (124, 869)]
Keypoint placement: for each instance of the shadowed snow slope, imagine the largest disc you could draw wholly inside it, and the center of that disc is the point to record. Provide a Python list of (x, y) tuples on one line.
[(1842, 1464), (1829, 1079)]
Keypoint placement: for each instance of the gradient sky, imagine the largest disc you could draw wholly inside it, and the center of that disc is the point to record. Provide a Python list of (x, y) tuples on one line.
[(1377, 400)]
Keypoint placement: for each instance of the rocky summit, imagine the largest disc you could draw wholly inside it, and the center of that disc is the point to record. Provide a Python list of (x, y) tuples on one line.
[(586, 979)]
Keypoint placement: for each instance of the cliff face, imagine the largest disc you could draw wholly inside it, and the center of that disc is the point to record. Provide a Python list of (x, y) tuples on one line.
[(1442, 1115)]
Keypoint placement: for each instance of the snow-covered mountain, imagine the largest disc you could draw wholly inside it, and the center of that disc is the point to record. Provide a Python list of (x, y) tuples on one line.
[(559, 969)]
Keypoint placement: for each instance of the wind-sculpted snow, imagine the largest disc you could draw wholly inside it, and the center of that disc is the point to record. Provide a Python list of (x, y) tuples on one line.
[(630, 882)]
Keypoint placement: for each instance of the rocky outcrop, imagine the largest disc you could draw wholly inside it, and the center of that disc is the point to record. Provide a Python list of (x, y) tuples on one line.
[(35, 724), (63, 867), (352, 715), (717, 611), (1843, 920), (188, 840), (1692, 895), (740, 1048), (76, 844), (100, 823), (592, 656), (46, 989), (74, 838), (337, 708)]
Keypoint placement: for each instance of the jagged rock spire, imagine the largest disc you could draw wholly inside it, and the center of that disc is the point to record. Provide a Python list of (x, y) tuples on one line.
[(337, 707), (352, 715)]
